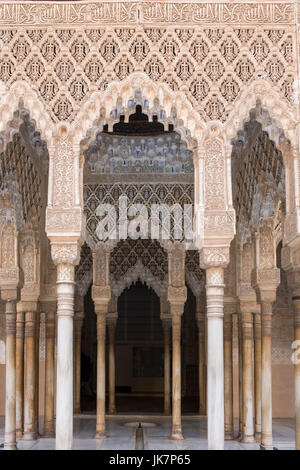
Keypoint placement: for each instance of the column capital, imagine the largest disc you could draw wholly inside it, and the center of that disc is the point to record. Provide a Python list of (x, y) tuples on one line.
[(213, 257), (65, 253), (177, 295)]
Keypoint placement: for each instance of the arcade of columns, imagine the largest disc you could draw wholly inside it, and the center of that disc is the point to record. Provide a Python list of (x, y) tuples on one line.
[(62, 107)]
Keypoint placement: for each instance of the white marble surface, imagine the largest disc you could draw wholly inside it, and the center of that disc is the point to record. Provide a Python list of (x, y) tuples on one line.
[(120, 437)]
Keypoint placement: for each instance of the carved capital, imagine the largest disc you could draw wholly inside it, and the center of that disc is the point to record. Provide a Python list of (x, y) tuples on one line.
[(214, 256), (101, 297), (176, 295), (65, 253), (266, 283)]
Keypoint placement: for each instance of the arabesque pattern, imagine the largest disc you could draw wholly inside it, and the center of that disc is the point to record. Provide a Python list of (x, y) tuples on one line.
[(210, 65)]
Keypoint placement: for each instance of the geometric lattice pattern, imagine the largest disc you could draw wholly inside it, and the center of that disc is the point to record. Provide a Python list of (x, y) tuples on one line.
[(210, 64), (126, 254), (147, 194)]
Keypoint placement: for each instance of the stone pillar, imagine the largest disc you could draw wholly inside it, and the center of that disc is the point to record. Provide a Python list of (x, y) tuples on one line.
[(167, 368), (49, 375), (20, 372), (291, 263), (266, 376), (215, 359), (257, 374), (65, 256), (296, 306), (200, 303), (111, 323), (247, 348), (101, 295), (228, 373), (176, 373), (64, 380), (101, 334), (266, 278), (30, 431), (37, 374), (177, 294), (78, 322), (10, 396), (240, 352)]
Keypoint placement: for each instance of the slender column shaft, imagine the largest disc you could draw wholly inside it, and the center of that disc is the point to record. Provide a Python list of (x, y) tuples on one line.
[(20, 374), (167, 369), (176, 384), (240, 346), (30, 376), (257, 374), (296, 305), (215, 360), (101, 333), (112, 367), (228, 376), (64, 381), (10, 397), (77, 360), (49, 376), (37, 374), (202, 378), (247, 327), (266, 379)]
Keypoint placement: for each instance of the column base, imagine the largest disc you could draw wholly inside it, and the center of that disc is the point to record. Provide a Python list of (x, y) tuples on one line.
[(266, 447), (19, 434), (77, 411), (30, 436), (100, 435), (177, 436), (10, 446), (229, 436), (248, 440), (112, 412)]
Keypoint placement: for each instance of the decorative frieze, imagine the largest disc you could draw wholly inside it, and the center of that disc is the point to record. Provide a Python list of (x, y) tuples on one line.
[(135, 12)]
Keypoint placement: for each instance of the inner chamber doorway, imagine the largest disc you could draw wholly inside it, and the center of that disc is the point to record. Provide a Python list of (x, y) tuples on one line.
[(139, 354)]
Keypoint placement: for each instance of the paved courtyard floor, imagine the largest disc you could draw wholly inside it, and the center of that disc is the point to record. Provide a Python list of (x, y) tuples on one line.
[(121, 434)]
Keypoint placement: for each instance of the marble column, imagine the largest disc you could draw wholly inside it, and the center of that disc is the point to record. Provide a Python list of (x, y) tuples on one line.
[(49, 375), (200, 316), (30, 432), (10, 394), (37, 374), (240, 353), (215, 359), (101, 334), (296, 306), (247, 348), (20, 372), (176, 312), (64, 380), (167, 368), (257, 374), (228, 375), (78, 322), (266, 376), (111, 323)]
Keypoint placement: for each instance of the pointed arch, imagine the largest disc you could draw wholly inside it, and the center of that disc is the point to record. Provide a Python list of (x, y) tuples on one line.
[(156, 99), (16, 102), (142, 273)]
